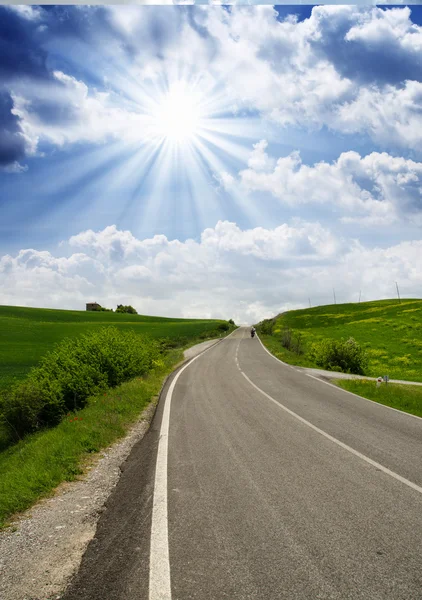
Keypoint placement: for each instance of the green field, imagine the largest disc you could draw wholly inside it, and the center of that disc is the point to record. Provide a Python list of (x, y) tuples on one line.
[(390, 332), (26, 334)]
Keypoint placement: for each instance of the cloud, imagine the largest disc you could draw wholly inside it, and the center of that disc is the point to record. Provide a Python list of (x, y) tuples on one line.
[(12, 139), (21, 52), (391, 116), (333, 70), (229, 272), (372, 46), (374, 189), (354, 70)]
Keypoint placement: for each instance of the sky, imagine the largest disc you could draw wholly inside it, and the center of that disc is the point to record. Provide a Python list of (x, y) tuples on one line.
[(224, 161)]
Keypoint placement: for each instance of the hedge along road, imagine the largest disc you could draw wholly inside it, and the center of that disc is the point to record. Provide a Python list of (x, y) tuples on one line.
[(269, 485)]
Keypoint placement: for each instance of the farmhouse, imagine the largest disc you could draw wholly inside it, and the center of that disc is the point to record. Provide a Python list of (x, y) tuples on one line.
[(93, 306)]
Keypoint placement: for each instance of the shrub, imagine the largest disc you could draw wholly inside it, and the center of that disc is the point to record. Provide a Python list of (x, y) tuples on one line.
[(267, 326), (292, 340), (223, 327), (231, 322), (26, 407), (75, 370), (340, 355)]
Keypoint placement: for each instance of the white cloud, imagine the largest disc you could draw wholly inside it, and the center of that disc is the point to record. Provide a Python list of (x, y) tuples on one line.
[(353, 69), (334, 69), (391, 116), (374, 189), (30, 13), (14, 167), (229, 272), (76, 114)]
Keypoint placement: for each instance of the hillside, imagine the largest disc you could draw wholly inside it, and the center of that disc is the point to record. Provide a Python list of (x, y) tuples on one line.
[(28, 333), (390, 332)]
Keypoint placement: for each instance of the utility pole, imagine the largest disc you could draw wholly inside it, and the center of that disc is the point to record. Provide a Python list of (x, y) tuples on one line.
[(398, 293), (334, 294), (309, 302)]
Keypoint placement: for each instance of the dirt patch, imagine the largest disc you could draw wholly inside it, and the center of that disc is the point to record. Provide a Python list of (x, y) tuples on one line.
[(44, 547)]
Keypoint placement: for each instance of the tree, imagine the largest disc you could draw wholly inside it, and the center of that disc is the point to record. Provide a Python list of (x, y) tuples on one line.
[(126, 309)]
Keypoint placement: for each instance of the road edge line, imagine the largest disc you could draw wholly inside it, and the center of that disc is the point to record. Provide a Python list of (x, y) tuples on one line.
[(159, 559), (274, 357), (337, 387), (301, 370), (375, 464)]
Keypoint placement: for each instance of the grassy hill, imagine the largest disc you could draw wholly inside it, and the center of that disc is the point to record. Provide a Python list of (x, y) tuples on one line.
[(26, 334), (390, 332)]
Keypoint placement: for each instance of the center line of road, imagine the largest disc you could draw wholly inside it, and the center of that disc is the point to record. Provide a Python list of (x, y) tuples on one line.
[(159, 561), (410, 484)]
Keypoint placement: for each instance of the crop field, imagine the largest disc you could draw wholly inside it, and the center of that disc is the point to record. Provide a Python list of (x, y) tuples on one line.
[(390, 332), (26, 334)]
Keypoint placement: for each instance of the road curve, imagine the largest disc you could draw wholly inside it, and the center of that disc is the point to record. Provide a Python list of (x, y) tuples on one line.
[(278, 486)]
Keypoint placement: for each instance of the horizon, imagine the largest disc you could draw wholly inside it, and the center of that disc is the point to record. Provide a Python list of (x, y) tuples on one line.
[(138, 155), (171, 317)]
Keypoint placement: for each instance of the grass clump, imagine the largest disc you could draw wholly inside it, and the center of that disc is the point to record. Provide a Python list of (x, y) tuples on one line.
[(72, 372), (407, 398)]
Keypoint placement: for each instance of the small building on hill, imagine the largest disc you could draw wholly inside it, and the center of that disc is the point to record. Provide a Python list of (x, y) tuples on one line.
[(93, 306)]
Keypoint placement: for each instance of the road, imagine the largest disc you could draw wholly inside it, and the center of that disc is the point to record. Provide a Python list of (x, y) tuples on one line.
[(259, 482)]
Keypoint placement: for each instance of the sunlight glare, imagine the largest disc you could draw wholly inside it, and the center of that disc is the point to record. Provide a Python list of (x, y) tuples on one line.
[(178, 115)]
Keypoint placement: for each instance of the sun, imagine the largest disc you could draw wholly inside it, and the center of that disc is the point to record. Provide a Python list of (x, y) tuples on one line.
[(178, 116)]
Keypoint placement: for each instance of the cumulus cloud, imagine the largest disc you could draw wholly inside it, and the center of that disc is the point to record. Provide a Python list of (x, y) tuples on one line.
[(335, 69), (374, 189), (67, 112), (228, 273)]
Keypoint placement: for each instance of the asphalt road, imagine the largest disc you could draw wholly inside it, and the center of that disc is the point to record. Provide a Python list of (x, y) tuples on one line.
[(274, 486)]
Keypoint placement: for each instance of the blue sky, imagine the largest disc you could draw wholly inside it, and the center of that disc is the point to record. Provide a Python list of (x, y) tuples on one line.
[(288, 138)]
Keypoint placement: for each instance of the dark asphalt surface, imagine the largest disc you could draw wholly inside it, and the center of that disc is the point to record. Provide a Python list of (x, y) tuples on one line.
[(260, 506)]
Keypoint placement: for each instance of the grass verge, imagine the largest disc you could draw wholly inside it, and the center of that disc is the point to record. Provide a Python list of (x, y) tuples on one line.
[(407, 398), (32, 468), (273, 344), (388, 331)]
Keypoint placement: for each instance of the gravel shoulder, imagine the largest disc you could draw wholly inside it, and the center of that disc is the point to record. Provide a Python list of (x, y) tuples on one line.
[(44, 546)]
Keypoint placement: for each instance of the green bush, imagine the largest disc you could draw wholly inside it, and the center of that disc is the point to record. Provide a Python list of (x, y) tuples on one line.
[(75, 370), (292, 340), (267, 326), (340, 355), (126, 309), (223, 327)]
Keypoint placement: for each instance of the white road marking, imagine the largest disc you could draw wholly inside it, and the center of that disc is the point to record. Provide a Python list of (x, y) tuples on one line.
[(402, 412), (333, 385), (274, 357), (159, 562), (410, 484)]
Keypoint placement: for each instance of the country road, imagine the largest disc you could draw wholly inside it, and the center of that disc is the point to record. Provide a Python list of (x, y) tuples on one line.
[(260, 482)]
